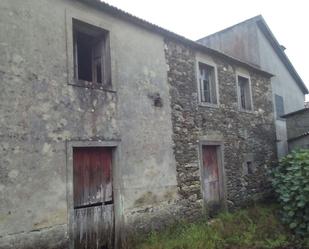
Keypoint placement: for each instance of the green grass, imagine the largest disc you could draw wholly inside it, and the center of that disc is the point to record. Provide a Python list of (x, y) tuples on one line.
[(256, 227)]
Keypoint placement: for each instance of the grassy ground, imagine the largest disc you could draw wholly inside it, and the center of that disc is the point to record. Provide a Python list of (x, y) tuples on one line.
[(256, 227)]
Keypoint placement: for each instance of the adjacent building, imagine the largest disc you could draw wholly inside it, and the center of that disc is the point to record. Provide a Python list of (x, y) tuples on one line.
[(110, 124), (252, 41), (298, 129)]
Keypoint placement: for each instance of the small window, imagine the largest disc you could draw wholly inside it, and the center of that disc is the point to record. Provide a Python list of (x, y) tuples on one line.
[(91, 54), (248, 168), (279, 106), (244, 94), (207, 84)]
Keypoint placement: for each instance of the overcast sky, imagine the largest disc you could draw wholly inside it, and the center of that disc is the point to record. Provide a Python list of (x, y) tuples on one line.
[(288, 20)]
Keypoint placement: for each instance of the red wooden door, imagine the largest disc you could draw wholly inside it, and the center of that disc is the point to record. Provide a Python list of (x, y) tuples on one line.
[(93, 198), (211, 174)]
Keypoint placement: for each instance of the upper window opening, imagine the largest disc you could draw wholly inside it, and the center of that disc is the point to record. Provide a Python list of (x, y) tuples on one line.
[(244, 94), (207, 84), (91, 54)]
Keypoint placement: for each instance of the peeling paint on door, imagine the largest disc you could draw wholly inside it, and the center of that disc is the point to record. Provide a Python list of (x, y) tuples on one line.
[(211, 175), (93, 198)]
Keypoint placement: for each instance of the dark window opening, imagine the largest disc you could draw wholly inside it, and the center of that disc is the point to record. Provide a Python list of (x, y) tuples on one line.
[(244, 93), (91, 54), (84, 56), (250, 167)]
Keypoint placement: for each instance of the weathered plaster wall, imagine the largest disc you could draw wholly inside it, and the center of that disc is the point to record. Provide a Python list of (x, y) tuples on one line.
[(40, 112), (243, 133), (283, 83)]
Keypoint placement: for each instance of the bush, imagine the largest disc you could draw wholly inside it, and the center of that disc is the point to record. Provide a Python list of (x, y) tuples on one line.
[(290, 180)]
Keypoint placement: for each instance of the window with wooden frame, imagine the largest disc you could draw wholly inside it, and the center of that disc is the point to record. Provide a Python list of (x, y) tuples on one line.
[(207, 84), (244, 93), (91, 55)]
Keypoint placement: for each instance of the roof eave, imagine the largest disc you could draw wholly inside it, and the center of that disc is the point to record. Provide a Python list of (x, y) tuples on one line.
[(168, 34), (295, 112), (298, 137)]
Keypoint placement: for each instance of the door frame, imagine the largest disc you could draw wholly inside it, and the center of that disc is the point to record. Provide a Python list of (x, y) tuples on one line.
[(114, 144), (219, 144)]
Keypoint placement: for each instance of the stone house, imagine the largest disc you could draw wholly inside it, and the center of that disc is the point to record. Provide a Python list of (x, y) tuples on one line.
[(111, 124), (252, 41), (298, 129)]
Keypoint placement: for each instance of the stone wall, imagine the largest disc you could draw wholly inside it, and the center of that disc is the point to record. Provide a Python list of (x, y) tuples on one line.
[(242, 133)]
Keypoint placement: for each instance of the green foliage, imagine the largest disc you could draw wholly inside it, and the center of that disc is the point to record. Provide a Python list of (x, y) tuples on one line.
[(290, 180), (256, 227)]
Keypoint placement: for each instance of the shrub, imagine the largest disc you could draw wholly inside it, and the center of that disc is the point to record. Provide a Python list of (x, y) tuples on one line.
[(290, 180)]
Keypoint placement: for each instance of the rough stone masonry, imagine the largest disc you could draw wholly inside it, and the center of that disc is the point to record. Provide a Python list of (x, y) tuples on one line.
[(244, 134)]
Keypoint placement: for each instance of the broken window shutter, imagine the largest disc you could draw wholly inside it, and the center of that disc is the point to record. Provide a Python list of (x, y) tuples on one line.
[(107, 62), (248, 96), (202, 84), (242, 94), (207, 82), (207, 89), (97, 62), (213, 86), (75, 57)]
